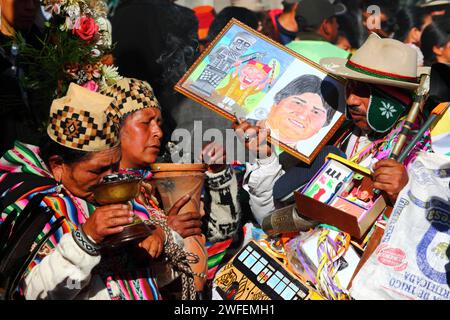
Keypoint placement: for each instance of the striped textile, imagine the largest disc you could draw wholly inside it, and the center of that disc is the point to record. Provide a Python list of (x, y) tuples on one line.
[(133, 285), (216, 252)]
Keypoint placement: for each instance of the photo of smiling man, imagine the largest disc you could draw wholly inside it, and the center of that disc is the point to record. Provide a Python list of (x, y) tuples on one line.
[(302, 112)]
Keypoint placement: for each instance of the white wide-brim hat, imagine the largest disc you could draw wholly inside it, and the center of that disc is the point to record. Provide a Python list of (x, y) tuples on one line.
[(430, 3), (380, 61)]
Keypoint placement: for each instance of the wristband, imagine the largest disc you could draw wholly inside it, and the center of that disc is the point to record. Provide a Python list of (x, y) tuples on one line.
[(83, 241)]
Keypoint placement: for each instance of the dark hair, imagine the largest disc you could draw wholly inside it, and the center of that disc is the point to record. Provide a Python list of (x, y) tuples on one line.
[(304, 26), (433, 35), (49, 148), (246, 16), (181, 45), (389, 8), (287, 7), (312, 84), (407, 19)]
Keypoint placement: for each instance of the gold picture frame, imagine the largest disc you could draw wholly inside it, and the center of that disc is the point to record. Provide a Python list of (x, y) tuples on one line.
[(246, 74)]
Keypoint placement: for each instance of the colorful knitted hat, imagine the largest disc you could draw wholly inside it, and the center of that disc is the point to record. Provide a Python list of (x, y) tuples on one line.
[(132, 95), (80, 120)]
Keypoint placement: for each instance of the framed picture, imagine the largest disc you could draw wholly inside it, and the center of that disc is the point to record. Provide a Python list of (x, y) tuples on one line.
[(246, 74)]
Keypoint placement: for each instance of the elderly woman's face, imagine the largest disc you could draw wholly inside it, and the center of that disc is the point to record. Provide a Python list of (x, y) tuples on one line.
[(140, 137), (19, 14), (81, 177), (297, 117)]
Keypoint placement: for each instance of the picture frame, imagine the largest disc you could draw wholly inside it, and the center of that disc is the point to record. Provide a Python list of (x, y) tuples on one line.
[(245, 74)]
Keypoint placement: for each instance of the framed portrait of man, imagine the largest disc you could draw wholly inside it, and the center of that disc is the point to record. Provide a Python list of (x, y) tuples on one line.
[(247, 75)]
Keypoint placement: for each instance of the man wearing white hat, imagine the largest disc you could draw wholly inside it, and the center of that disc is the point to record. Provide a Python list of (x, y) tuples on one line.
[(381, 77)]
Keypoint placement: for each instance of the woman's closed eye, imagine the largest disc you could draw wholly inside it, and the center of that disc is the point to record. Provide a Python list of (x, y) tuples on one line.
[(113, 167)]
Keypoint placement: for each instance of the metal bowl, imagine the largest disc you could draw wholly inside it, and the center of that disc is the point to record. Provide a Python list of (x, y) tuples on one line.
[(117, 188)]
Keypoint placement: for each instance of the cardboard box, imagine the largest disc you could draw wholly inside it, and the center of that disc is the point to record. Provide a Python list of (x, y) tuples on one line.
[(352, 219)]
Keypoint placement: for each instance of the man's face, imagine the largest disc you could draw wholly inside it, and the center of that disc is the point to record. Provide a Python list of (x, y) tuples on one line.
[(298, 117), (19, 14), (251, 76), (80, 177), (140, 138), (357, 97)]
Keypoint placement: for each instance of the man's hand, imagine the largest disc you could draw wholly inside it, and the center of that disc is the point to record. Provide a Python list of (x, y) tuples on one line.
[(254, 138), (154, 244), (213, 154), (108, 220), (186, 224), (391, 177)]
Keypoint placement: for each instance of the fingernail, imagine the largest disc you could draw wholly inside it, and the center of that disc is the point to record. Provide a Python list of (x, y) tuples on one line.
[(131, 213), (130, 220)]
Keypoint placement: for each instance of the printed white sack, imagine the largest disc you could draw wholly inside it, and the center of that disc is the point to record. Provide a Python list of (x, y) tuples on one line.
[(412, 260)]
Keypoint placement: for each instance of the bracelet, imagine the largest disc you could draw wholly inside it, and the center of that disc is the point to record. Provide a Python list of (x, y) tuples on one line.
[(83, 241), (159, 223)]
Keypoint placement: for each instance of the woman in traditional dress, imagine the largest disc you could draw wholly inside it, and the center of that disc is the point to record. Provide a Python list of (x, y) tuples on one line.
[(81, 148), (140, 136)]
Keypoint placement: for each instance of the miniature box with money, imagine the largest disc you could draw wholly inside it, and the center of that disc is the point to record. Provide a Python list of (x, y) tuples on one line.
[(341, 194)]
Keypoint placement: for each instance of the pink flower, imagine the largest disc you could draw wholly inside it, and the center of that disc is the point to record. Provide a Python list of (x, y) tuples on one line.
[(85, 28), (90, 85)]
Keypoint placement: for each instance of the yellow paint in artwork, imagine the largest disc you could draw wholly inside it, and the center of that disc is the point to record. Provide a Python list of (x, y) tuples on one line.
[(349, 163), (442, 125)]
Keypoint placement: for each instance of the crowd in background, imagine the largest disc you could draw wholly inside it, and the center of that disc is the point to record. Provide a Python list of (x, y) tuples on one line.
[(156, 41)]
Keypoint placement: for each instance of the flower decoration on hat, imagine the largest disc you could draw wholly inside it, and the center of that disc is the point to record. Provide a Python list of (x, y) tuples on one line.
[(76, 48)]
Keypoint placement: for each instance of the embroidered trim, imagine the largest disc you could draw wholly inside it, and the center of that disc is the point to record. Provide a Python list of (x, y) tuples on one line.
[(84, 243), (379, 74)]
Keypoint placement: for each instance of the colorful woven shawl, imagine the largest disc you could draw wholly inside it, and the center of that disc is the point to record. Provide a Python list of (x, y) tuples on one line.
[(122, 279)]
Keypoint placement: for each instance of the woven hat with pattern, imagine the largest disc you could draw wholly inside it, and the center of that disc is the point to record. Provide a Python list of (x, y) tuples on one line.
[(80, 120), (132, 95)]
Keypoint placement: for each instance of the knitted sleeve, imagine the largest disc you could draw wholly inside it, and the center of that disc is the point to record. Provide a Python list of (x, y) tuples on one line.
[(222, 206), (259, 180)]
